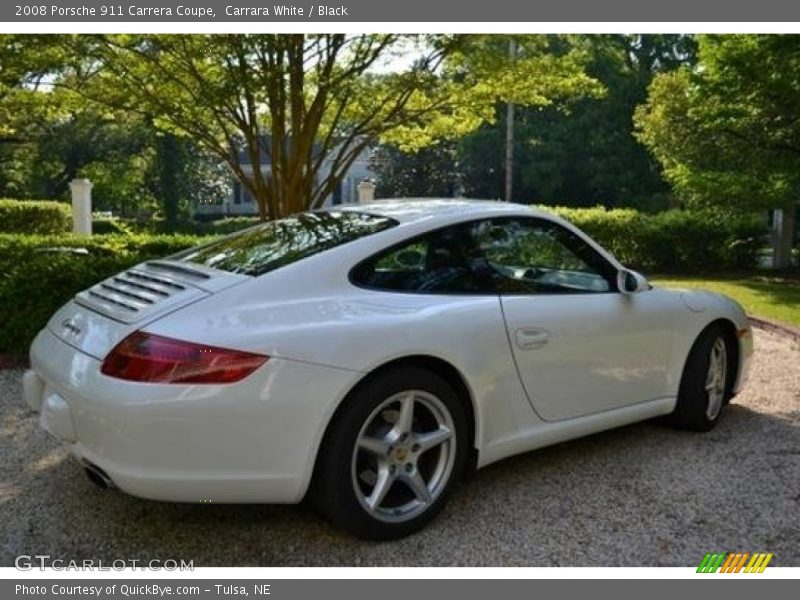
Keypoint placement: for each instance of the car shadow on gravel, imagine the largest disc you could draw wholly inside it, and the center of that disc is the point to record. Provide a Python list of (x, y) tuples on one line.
[(645, 494)]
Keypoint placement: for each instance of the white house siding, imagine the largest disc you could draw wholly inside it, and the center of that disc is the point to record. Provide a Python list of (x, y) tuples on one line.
[(240, 202)]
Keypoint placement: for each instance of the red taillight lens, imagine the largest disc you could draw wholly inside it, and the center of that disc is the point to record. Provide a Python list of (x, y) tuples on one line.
[(151, 358)]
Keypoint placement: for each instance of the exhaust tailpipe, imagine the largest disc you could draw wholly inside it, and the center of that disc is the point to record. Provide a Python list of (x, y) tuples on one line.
[(97, 476)]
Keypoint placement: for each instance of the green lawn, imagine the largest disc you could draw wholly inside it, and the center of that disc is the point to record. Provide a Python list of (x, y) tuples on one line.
[(774, 298)]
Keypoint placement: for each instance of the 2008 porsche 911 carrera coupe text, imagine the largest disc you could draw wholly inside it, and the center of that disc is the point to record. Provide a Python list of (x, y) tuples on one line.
[(369, 356)]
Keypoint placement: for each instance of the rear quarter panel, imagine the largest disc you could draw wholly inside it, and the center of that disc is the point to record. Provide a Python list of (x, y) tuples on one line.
[(317, 316)]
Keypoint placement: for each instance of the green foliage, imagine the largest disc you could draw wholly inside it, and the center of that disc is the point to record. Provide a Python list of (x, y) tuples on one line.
[(727, 133), (482, 70), (309, 105), (158, 225), (136, 170), (34, 216), (583, 152), (429, 172), (224, 226), (673, 240), (39, 273), (111, 225)]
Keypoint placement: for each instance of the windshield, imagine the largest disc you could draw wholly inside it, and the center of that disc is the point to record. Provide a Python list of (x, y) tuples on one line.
[(272, 245)]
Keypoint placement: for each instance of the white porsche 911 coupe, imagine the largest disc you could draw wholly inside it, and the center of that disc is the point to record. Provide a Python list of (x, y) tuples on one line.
[(368, 357)]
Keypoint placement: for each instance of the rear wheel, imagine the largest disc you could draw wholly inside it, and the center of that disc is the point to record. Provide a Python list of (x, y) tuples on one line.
[(391, 456), (706, 382)]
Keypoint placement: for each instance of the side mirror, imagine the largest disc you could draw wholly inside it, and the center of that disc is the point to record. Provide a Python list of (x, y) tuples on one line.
[(631, 282)]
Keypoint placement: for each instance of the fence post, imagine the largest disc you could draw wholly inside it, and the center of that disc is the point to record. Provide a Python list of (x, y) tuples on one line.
[(81, 206), (366, 192)]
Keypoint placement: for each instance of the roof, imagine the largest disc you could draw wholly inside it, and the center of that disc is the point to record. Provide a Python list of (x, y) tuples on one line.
[(406, 210)]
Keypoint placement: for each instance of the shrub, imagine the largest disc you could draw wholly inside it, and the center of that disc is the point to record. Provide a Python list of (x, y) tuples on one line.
[(160, 226), (216, 227), (34, 216), (35, 280), (231, 224), (110, 225), (673, 240)]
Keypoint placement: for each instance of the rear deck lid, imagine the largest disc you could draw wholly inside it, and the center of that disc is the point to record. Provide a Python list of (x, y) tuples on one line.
[(100, 317)]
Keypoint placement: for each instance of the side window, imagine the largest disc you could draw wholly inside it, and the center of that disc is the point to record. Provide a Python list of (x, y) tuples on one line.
[(442, 261), (537, 256)]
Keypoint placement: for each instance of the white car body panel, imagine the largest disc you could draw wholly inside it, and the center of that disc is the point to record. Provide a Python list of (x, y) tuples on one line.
[(610, 357), (145, 439), (256, 440)]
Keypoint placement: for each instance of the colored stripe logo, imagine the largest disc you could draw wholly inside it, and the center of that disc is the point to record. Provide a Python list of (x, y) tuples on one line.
[(734, 562)]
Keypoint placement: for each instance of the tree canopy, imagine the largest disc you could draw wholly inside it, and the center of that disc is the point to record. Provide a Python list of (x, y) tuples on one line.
[(303, 108), (579, 151), (727, 132)]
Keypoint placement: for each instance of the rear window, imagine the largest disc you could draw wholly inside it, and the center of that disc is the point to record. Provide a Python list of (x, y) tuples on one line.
[(272, 245)]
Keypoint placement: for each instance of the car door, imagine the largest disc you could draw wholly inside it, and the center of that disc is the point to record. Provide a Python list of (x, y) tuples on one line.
[(580, 346)]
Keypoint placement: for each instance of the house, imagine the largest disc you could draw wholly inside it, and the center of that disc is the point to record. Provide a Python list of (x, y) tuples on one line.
[(240, 201)]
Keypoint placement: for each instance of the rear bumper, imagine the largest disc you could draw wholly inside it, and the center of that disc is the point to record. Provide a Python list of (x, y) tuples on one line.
[(253, 441)]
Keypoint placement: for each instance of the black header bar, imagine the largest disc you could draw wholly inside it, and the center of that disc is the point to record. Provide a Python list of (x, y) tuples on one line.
[(437, 11)]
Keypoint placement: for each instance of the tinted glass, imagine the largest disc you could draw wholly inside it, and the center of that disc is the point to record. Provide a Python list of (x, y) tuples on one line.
[(274, 244), (538, 256), (444, 261)]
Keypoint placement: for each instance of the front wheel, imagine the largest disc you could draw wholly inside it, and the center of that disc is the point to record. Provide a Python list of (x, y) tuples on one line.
[(706, 382), (391, 455)]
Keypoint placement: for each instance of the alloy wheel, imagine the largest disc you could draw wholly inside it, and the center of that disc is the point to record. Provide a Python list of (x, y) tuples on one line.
[(715, 378), (403, 456)]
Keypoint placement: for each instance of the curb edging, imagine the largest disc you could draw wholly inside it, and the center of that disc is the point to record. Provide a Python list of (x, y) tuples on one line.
[(775, 327)]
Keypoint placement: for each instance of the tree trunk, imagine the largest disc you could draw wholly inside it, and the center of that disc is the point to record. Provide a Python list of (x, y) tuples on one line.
[(169, 185), (784, 236)]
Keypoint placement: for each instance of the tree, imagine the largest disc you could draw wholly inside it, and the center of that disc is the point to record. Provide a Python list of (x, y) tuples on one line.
[(182, 174), (50, 135), (429, 172), (727, 132), (303, 107), (583, 153)]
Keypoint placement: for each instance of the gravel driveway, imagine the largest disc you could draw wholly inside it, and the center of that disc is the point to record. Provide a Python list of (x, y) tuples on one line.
[(640, 495)]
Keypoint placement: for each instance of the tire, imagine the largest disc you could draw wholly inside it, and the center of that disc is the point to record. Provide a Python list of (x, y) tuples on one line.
[(705, 387), (383, 472)]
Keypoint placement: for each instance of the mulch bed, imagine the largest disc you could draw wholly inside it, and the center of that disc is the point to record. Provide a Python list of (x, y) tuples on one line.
[(13, 362)]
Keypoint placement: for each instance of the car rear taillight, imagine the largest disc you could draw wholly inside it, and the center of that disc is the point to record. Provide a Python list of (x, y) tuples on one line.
[(152, 358)]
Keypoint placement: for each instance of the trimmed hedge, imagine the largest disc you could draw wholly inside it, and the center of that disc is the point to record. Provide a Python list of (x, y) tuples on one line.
[(229, 225), (34, 216), (35, 280), (106, 225), (215, 227), (673, 240), (111, 225)]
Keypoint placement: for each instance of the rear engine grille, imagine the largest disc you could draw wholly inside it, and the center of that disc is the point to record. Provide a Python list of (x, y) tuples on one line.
[(133, 294)]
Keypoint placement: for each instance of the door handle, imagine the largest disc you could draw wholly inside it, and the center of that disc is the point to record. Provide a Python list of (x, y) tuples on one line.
[(528, 338)]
